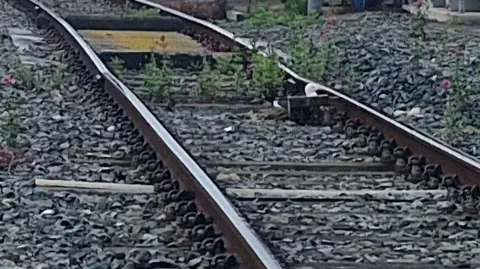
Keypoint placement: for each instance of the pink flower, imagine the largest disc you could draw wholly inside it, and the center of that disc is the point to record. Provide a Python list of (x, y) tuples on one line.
[(446, 84), (8, 80), (418, 4), (452, 47), (325, 31)]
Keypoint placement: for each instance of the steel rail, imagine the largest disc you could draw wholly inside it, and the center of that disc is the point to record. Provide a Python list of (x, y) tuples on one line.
[(239, 237), (450, 159)]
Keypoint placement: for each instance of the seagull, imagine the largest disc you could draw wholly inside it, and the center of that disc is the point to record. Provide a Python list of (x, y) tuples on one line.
[(311, 89)]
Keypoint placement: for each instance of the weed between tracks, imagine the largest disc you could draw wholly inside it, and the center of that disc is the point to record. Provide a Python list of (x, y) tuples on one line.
[(25, 76), (207, 81), (29, 78), (212, 77), (295, 13), (158, 79), (267, 76), (52, 78), (310, 60), (233, 66), (117, 65)]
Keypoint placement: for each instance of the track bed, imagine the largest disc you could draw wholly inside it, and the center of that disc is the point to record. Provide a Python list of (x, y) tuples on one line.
[(316, 196), (375, 63), (320, 189)]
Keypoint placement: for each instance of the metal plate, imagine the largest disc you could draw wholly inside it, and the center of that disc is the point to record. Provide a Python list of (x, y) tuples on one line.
[(166, 42)]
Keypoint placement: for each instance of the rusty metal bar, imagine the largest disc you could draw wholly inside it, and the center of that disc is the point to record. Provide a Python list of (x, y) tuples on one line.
[(451, 161), (250, 251)]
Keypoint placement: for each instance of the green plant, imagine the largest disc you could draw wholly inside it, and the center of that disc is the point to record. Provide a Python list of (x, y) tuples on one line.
[(145, 12), (10, 127), (296, 6), (456, 105), (158, 79), (267, 75), (229, 64), (207, 81), (233, 66), (58, 77), (27, 76), (461, 92), (453, 120), (117, 65), (239, 77), (312, 61), (196, 65), (351, 76), (417, 51), (419, 21), (261, 16)]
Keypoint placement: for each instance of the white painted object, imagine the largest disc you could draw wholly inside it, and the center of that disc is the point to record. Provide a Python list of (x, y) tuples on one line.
[(229, 129), (414, 111), (311, 89)]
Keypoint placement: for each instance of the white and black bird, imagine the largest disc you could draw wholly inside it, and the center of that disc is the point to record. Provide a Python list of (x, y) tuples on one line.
[(310, 90)]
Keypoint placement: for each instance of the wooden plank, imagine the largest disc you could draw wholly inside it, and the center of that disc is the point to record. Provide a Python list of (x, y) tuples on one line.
[(307, 173), (387, 264), (170, 42), (318, 166), (279, 194), (303, 101), (93, 186), (101, 161), (311, 181), (212, 105)]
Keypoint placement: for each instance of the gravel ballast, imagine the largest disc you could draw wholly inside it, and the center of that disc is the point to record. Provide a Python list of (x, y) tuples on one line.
[(366, 232), (418, 233), (378, 48), (67, 133)]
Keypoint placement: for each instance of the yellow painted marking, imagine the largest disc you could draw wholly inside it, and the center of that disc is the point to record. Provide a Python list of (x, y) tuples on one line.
[(166, 42)]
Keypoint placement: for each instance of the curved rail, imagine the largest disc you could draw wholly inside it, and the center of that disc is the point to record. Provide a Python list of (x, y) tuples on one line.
[(451, 160), (250, 250)]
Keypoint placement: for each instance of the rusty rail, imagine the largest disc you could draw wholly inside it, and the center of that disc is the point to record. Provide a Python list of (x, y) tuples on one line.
[(249, 249), (450, 159)]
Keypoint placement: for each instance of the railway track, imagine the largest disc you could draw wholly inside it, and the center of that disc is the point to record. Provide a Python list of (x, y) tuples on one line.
[(321, 188), (321, 198)]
